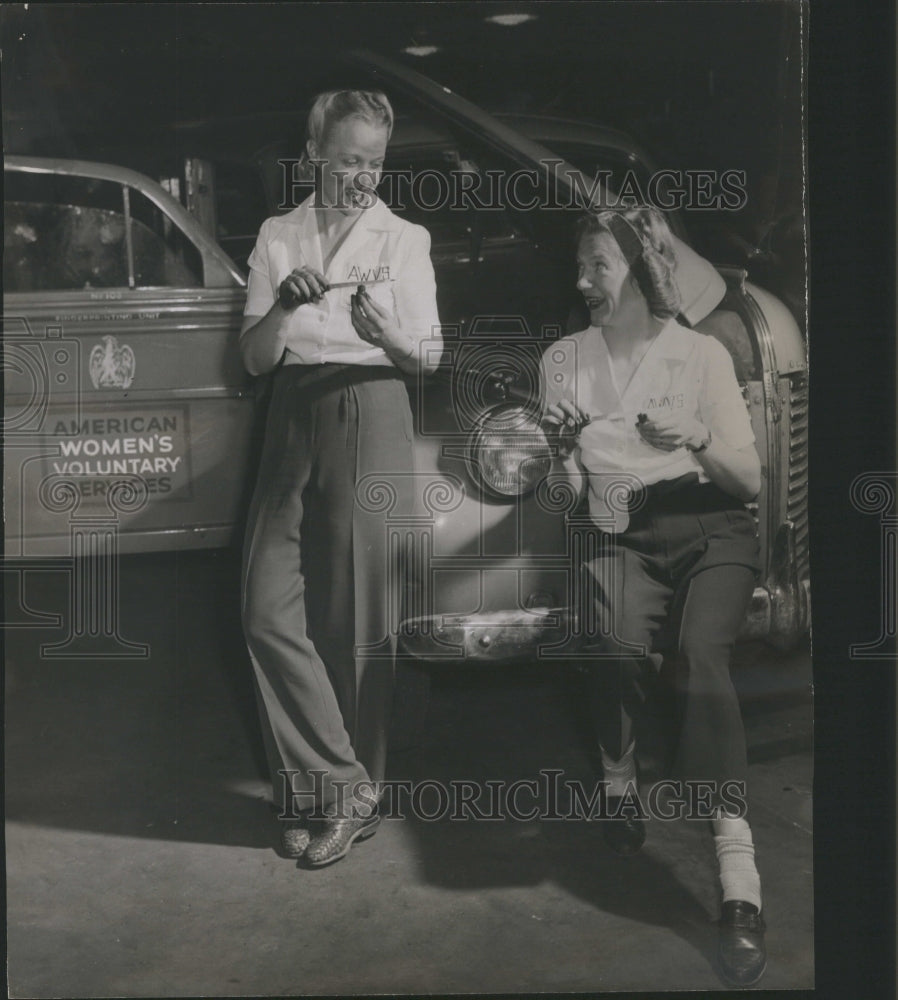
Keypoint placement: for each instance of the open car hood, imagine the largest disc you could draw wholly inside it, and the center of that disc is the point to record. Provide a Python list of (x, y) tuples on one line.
[(701, 287)]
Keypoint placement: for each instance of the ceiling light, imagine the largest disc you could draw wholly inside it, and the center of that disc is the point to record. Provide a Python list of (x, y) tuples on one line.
[(421, 50), (511, 20)]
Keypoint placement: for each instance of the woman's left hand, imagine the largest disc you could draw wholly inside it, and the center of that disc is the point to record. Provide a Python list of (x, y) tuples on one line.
[(670, 433), (373, 323)]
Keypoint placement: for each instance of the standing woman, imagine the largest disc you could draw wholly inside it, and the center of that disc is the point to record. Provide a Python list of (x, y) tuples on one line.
[(319, 586), (638, 397)]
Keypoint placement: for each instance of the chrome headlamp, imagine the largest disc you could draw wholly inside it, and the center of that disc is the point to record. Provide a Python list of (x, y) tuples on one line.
[(508, 454)]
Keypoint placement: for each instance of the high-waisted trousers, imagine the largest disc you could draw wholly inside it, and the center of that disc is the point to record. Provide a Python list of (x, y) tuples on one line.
[(685, 567), (321, 585)]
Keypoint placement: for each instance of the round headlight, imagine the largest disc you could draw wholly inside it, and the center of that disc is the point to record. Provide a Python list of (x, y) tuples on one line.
[(509, 454)]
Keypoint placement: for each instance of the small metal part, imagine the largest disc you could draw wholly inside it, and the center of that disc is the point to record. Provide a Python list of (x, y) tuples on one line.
[(359, 284)]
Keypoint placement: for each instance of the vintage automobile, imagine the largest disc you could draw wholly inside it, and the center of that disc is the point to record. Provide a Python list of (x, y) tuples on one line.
[(129, 422)]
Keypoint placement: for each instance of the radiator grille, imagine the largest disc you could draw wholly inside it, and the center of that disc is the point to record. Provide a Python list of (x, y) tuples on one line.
[(797, 495)]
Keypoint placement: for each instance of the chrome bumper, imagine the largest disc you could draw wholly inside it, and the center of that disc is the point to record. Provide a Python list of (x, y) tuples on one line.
[(780, 612), (554, 633), (494, 637)]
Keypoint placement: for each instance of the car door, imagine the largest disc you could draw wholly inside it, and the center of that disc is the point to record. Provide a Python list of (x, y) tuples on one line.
[(126, 404)]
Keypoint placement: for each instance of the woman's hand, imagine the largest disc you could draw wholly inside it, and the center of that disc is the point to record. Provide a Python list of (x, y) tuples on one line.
[(371, 321), (263, 338), (302, 285), (670, 433), (378, 327), (381, 329), (566, 420), (737, 471)]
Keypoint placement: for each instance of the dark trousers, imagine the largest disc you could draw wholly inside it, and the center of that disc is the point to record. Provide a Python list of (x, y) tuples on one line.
[(686, 566), (321, 585)]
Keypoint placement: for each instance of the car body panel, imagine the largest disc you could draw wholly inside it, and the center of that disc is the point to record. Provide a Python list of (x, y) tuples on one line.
[(144, 385)]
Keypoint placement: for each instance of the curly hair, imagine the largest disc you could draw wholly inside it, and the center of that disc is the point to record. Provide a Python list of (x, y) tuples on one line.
[(334, 106), (645, 242)]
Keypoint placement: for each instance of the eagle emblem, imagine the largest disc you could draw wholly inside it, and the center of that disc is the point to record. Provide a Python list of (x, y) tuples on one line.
[(111, 365)]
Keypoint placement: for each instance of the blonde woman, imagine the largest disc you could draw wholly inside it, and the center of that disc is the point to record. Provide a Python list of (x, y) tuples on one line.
[(318, 581)]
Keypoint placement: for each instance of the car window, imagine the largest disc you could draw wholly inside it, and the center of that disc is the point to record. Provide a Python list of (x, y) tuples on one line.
[(241, 209), (426, 189), (163, 255), (595, 160), (64, 233)]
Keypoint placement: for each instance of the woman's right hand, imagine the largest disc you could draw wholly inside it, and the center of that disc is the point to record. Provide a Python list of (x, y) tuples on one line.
[(302, 285), (566, 420)]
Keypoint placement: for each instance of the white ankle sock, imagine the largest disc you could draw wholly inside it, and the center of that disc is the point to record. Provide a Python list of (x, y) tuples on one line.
[(735, 849), (619, 773)]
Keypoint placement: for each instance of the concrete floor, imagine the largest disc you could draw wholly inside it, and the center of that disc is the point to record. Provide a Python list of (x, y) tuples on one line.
[(140, 846)]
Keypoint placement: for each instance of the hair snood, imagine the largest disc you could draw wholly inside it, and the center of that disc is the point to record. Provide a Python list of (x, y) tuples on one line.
[(335, 106), (646, 244), (628, 239)]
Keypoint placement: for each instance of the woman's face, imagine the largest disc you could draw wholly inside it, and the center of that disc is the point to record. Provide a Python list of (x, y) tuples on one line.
[(353, 157), (603, 278)]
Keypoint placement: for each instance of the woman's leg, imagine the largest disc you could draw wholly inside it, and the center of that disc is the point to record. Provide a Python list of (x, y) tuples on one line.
[(712, 749), (712, 737), (630, 602), (302, 723), (362, 491)]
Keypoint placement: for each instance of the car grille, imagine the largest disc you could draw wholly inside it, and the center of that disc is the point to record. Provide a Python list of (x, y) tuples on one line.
[(797, 497)]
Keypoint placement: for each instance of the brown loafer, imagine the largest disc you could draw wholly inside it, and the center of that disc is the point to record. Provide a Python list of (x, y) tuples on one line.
[(740, 948), (337, 835)]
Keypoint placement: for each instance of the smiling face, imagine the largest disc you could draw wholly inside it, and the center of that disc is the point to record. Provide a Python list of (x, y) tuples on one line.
[(604, 279), (353, 158)]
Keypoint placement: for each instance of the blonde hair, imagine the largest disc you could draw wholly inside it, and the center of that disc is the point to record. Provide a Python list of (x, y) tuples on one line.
[(335, 106)]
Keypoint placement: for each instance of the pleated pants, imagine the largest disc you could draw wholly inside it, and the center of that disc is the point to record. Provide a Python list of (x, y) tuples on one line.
[(321, 583)]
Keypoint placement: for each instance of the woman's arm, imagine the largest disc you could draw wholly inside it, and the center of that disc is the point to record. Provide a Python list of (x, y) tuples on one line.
[(731, 459), (411, 338), (376, 326), (263, 334), (572, 469), (722, 421), (563, 422), (263, 339), (737, 471)]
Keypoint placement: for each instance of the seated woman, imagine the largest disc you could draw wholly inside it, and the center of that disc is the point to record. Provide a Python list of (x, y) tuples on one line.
[(639, 399)]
